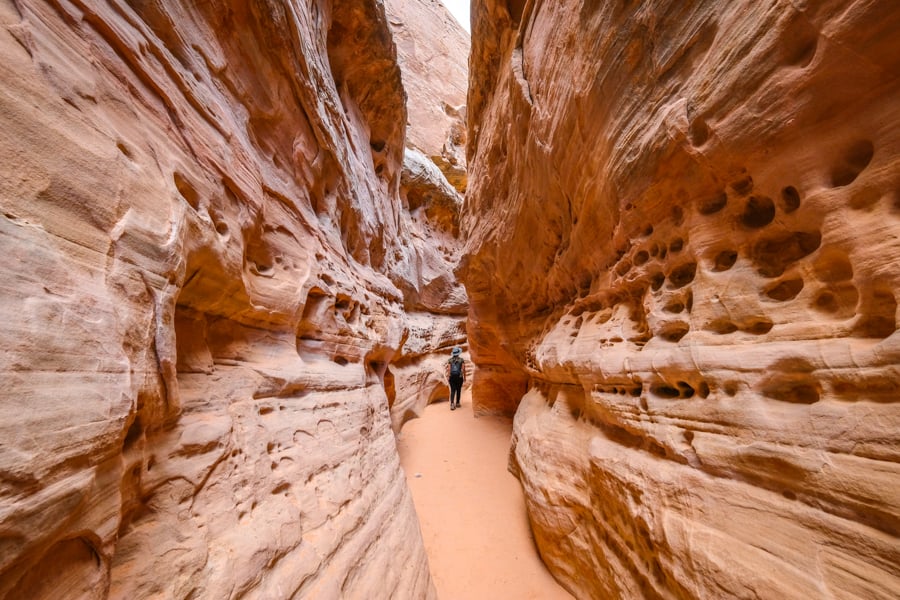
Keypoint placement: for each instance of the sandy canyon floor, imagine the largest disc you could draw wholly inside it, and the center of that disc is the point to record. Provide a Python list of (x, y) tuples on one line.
[(471, 508)]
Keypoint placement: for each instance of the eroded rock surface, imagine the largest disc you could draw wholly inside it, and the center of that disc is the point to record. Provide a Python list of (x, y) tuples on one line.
[(432, 50), (208, 270), (683, 269)]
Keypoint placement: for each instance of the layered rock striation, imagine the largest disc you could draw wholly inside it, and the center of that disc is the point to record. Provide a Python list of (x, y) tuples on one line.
[(209, 273), (682, 270), (431, 51)]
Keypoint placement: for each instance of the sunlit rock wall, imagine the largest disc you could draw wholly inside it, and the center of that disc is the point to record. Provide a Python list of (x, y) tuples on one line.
[(206, 277), (682, 263)]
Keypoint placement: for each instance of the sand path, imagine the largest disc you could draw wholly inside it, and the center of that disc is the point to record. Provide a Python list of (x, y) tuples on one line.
[(471, 508)]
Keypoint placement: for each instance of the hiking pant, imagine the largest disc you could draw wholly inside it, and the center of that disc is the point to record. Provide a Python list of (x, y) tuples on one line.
[(456, 382)]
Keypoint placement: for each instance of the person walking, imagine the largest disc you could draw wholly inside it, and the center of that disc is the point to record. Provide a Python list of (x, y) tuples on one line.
[(456, 376)]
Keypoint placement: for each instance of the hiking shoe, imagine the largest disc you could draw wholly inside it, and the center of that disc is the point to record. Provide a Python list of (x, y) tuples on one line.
[(452, 407)]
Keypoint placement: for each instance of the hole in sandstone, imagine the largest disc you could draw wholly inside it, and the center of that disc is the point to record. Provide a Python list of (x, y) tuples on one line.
[(677, 215), (263, 270), (799, 42), (377, 145), (759, 327), (771, 256), (703, 390), (663, 252), (654, 250), (699, 132), (281, 488), (675, 306), (731, 388), (124, 149), (648, 231), (342, 302), (785, 290), (623, 268), (879, 315), (790, 199), (644, 405), (759, 212), (725, 260), (635, 392), (743, 186), (789, 495), (795, 392), (855, 160), (135, 431), (186, 190), (264, 410), (341, 360), (685, 390), (222, 228), (688, 435), (689, 300), (641, 257), (657, 281), (722, 326), (683, 275), (833, 265), (673, 332), (839, 301), (713, 205), (677, 245), (664, 391)]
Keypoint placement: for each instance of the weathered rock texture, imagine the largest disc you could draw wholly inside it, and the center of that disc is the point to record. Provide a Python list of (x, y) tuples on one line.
[(431, 51), (208, 268), (683, 226)]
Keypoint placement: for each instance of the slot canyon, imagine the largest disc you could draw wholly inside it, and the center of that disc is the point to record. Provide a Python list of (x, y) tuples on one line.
[(243, 238)]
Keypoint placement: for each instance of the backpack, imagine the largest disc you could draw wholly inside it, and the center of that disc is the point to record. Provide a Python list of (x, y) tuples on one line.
[(456, 366)]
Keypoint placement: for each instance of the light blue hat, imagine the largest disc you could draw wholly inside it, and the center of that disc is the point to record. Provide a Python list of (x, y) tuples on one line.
[(456, 351)]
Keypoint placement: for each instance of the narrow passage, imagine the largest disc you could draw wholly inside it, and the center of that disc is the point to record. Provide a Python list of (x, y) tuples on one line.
[(471, 507)]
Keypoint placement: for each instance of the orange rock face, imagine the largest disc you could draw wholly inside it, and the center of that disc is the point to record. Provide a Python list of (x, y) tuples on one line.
[(431, 50), (208, 274), (682, 258)]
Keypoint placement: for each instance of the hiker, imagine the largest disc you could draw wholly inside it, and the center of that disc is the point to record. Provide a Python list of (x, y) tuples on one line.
[(456, 375)]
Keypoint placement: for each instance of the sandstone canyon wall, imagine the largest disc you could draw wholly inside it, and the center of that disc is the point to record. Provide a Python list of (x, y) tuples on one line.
[(432, 50), (208, 272), (682, 264)]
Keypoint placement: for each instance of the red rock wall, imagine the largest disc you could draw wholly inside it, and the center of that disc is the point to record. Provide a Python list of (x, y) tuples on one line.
[(208, 266), (432, 50), (682, 225)]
